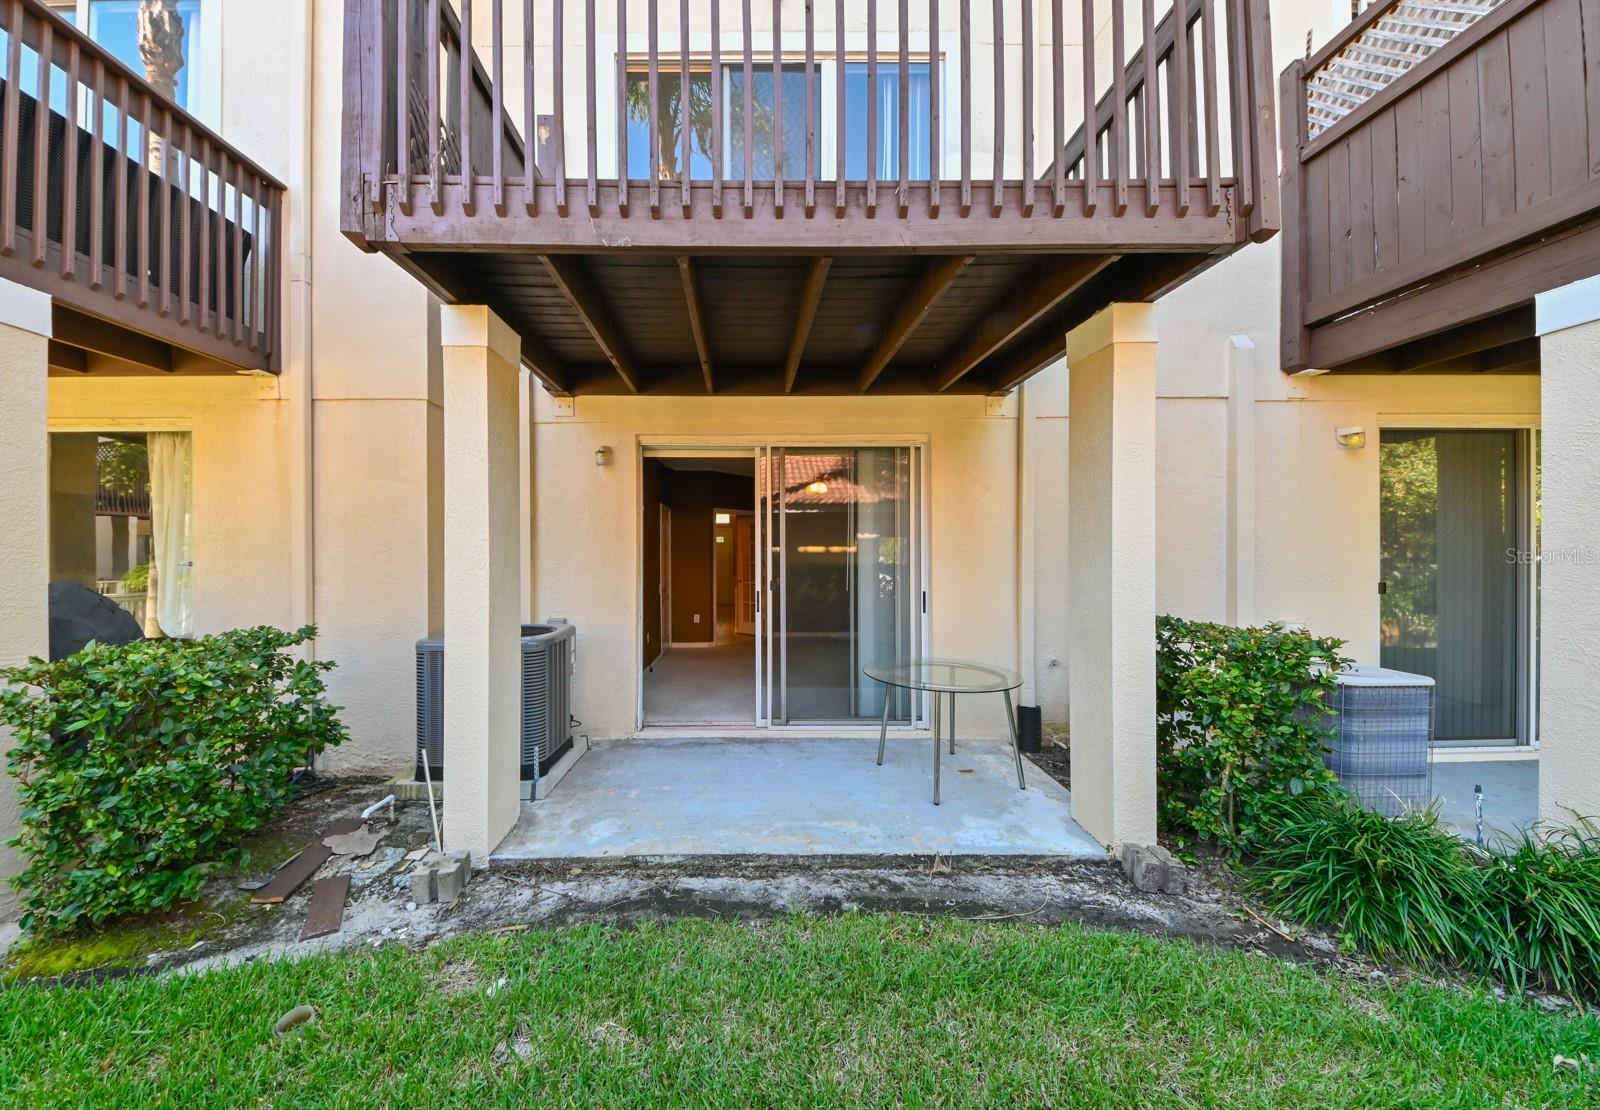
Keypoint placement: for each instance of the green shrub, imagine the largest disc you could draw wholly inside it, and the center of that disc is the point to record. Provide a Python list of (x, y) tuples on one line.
[(1401, 887), (1239, 721), (141, 766), (1542, 906), (136, 580)]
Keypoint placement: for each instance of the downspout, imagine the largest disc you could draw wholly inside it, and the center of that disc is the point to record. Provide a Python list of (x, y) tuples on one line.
[(1026, 667), (297, 369)]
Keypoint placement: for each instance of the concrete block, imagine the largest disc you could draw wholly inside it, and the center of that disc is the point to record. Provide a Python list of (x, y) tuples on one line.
[(1152, 869), (451, 879), (440, 878), (423, 890)]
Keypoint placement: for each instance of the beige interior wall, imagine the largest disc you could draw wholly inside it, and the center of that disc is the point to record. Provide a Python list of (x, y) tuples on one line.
[(588, 534)]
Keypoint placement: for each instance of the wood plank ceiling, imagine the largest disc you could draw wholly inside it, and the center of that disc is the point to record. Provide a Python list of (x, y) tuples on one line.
[(748, 324)]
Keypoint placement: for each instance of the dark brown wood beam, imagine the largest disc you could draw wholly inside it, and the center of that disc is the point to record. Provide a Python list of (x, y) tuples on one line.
[(1452, 351), (64, 357), (1520, 356), (805, 313), (447, 279), (544, 365), (1135, 277), (1469, 339), (1461, 297), (937, 276), (1017, 310), (1032, 355), (102, 338), (580, 292), (697, 318)]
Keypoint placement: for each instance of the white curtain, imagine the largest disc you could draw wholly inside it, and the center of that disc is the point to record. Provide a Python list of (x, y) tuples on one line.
[(918, 105), (171, 495)]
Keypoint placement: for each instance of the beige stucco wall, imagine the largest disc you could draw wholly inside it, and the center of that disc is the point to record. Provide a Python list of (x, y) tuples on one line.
[(24, 505), (1569, 773), (339, 522), (587, 534)]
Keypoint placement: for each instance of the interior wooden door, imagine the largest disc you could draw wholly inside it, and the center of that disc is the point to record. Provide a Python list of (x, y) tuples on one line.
[(744, 580)]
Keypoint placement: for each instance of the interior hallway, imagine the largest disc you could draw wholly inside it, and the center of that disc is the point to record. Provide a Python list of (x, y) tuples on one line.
[(703, 685)]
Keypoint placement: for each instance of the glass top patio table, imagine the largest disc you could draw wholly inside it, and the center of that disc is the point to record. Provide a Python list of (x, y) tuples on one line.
[(945, 676)]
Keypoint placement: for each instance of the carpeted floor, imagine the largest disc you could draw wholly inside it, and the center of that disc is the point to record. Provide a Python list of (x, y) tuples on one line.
[(703, 686)]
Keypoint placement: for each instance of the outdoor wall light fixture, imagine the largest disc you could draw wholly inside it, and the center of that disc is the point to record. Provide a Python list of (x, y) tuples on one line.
[(1353, 436), (602, 456)]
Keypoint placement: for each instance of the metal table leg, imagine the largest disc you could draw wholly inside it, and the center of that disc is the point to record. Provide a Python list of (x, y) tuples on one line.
[(936, 748), (1016, 741), (952, 723), (883, 726)]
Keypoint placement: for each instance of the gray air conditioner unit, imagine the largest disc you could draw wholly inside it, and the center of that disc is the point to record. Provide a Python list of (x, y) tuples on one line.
[(548, 654), (1382, 730)]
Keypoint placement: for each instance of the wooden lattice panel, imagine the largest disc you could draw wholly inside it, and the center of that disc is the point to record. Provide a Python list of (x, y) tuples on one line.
[(1402, 37)]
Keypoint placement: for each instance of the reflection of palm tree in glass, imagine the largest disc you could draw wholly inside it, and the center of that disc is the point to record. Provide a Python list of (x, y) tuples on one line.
[(160, 29), (669, 120)]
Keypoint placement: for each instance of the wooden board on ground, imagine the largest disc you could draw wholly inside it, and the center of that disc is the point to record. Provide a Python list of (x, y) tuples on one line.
[(326, 914), (292, 874)]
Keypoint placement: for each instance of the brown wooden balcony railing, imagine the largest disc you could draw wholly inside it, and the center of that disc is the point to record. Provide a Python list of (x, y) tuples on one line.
[(123, 206), (777, 148), (1441, 167)]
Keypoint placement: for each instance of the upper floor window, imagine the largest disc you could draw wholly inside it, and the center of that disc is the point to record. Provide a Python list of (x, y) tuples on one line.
[(887, 155), (157, 38), (763, 113)]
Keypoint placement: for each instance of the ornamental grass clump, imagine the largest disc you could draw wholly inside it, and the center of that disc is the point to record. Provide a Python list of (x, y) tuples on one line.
[(1541, 893), (1400, 887), (141, 766), (1241, 719)]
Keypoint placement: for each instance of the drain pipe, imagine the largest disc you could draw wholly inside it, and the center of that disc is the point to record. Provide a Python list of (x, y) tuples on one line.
[(296, 383), (1029, 723)]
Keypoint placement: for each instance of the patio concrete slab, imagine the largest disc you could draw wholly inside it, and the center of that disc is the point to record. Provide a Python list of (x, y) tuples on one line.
[(1510, 795), (791, 796)]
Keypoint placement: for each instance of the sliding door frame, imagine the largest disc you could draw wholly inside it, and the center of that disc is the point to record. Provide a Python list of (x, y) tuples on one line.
[(762, 449), (1526, 428)]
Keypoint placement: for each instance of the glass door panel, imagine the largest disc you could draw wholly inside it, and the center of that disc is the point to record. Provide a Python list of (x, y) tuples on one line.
[(841, 527), (1452, 509)]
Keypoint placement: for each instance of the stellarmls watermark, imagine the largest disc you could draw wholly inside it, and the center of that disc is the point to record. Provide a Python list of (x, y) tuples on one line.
[(1568, 556)]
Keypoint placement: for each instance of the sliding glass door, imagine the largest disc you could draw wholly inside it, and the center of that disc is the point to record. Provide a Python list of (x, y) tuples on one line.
[(844, 580), (1457, 548)]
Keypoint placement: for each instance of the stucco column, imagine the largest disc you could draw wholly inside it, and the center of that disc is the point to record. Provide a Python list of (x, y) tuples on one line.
[(1569, 612), (482, 579), (25, 508), (1111, 533)]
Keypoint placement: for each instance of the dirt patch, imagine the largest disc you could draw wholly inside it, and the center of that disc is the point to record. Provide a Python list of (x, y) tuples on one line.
[(512, 896), (1054, 760), (456, 977)]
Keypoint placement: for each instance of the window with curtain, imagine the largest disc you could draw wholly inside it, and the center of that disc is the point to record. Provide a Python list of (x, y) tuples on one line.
[(158, 38), (886, 155), (669, 120), (171, 528)]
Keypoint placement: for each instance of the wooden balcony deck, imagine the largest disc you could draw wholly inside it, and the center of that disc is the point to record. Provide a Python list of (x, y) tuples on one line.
[(1441, 168), (173, 249), (777, 230)]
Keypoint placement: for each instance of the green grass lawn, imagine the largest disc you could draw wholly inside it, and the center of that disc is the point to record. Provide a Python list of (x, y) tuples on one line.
[(821, 1012)]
